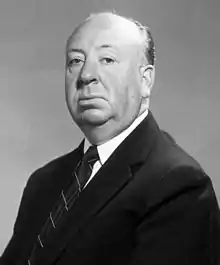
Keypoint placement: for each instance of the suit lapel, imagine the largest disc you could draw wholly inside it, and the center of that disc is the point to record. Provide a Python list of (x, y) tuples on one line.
[(114, 175)]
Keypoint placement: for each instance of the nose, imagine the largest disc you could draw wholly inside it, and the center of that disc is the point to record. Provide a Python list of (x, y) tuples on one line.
[(88, 75)]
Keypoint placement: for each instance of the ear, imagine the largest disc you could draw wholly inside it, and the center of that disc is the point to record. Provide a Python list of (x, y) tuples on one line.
[(147, 79)]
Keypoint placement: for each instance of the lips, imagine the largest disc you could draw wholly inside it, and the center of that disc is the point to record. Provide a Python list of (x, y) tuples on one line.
[(90, 101), (91, 96)]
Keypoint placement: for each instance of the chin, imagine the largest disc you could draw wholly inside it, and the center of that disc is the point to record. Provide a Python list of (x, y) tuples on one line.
[(94, 117)]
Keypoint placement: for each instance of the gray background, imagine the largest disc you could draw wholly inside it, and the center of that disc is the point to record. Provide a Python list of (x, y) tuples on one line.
[(35, 124)]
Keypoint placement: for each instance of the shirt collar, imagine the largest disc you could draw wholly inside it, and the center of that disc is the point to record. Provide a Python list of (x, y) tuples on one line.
[(107, 148)]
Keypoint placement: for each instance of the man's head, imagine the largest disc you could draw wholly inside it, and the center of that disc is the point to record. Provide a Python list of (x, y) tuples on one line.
[(109, 74)]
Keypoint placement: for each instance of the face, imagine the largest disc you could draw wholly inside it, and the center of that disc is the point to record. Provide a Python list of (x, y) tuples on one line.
[(103, 81)]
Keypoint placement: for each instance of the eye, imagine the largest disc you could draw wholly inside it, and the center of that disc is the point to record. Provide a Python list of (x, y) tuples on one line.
[(75, 61), (107, 60)]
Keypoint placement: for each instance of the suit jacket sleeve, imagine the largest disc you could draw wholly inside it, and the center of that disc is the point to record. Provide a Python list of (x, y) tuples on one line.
[(18, 247), (182, 223)]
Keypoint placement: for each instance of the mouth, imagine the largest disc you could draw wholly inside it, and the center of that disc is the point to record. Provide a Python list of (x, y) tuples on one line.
[(90, 96), (90, 101)]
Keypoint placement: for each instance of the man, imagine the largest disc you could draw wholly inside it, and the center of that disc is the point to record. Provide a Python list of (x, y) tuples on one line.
[(145, 201)]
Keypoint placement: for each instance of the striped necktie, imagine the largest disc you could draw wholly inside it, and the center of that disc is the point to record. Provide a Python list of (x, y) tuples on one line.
[(67, 198)]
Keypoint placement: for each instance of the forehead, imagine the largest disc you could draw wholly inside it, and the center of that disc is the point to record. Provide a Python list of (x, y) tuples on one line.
[(105, 30)]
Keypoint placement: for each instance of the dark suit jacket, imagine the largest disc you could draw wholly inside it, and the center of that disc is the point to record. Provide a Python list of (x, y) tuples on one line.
[(150, 203)]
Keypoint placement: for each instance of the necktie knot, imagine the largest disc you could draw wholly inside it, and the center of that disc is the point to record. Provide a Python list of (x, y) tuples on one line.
[(91, 156), (85, 170)]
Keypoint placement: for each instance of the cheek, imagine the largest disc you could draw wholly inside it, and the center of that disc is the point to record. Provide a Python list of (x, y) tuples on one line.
[(114, 80), (70, 88), (114, 88), (134, 82)]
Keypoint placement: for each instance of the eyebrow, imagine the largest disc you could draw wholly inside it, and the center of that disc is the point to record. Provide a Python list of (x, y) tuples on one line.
[(75, 50), (103, 46)]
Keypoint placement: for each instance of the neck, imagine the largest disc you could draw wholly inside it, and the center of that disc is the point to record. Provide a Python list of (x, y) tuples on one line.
[(98, 135)]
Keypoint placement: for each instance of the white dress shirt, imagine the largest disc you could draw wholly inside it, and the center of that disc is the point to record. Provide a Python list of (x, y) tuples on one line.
[(106, 149)]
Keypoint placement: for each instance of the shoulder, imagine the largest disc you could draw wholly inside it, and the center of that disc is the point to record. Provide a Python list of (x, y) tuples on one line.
[(170, 170), (44, 185), (52, 173), (167, 155), (178, 177)]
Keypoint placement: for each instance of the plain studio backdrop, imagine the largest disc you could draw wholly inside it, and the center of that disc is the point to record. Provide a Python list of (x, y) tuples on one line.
[(35, 124)]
